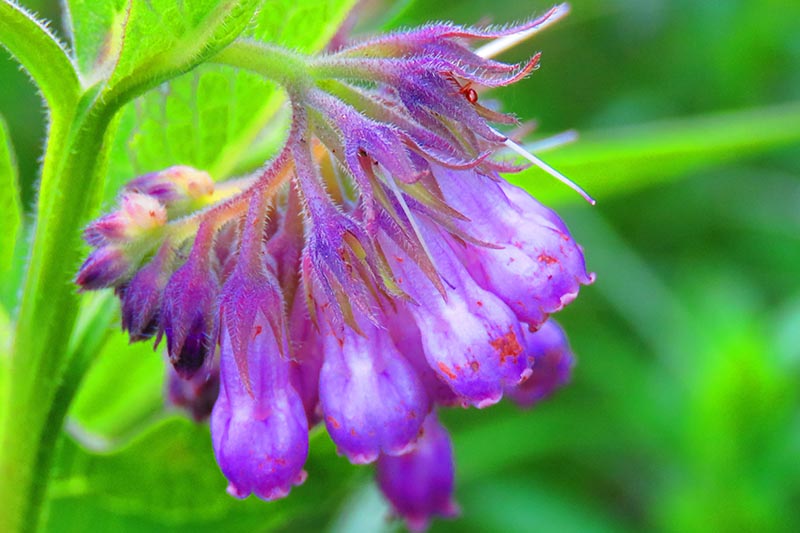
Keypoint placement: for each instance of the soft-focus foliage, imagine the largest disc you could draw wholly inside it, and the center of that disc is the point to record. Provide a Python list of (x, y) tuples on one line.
[(683, 409)]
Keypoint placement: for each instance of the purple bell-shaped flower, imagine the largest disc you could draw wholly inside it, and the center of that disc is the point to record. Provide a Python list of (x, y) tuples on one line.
[(372, 399), (552, 359), (419, 484)]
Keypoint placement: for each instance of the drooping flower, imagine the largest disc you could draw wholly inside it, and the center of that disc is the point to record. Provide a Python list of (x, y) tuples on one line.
[(189, 312), (552, 361), (374, 401), (196, 395), (259, 424), (419, 484), (472, 340), (377, 268), (535, 268)]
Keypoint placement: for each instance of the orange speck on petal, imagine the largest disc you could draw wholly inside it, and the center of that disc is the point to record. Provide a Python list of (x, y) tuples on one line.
[(333, 422), (507, 346), (447, 371), (548, 259)]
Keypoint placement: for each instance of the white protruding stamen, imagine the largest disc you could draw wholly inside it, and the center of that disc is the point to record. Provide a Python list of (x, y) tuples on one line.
[(411, 220), (550, 170), (502, 44)]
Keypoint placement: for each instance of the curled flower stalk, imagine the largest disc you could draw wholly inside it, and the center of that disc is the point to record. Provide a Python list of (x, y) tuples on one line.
[(378, 267)]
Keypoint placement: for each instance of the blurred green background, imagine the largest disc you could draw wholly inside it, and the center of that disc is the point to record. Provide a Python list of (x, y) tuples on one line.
[(684, 410)]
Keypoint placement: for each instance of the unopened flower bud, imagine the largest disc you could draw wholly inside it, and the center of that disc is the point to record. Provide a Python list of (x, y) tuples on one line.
[(105, 267), (137, 215), (142, 298), (174, 184), (189, 315)]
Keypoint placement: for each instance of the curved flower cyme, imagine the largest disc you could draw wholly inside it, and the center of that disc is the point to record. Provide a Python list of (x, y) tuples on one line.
[(419, 484), (378, 268)]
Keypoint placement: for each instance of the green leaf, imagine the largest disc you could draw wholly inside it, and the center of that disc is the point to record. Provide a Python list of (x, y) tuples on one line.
[(43, 57), (613, 162), (10, 203), (123, 390), (215, 117), (167, 480), (127, 43), (526, 502), (5, 365)]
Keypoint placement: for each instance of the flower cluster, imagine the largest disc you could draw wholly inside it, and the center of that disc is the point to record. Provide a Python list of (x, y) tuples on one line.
[(377, 268)]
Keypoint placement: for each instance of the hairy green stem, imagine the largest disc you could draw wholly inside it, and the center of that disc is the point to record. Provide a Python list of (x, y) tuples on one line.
[(275, 63), (47, 313), (41, 55)]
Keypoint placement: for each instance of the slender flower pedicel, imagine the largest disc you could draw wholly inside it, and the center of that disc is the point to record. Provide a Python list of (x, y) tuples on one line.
[(377, 268)]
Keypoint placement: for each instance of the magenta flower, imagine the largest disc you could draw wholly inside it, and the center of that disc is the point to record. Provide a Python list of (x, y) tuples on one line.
[(258, 425), (375, 269), (551, 359), (419, 484), (197, 395), (374, 401)]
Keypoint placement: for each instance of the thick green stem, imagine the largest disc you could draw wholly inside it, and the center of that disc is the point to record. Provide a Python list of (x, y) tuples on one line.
[(71, 172), (278, 64), (41, 55)]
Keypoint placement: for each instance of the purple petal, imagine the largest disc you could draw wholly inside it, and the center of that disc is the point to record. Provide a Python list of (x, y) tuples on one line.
[(373, 401), (538, 268), (471, 339), (552, 364), (260, 438), (307, 351), (419, 484)]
